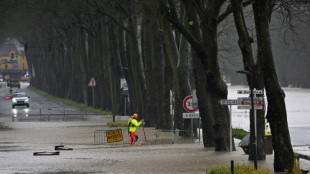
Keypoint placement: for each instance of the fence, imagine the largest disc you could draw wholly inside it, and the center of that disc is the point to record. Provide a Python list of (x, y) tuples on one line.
[(100, 137), (173, 136), (48, 110), (52, 114), (152, 137)]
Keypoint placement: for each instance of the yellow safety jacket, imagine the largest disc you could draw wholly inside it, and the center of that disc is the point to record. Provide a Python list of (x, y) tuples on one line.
[(133, 124)]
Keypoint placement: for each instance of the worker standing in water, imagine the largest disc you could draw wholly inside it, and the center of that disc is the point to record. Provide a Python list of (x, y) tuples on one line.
[(132, 127)]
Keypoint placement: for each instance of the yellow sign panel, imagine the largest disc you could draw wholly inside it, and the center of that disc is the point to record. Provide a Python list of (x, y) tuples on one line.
[(114, 135)]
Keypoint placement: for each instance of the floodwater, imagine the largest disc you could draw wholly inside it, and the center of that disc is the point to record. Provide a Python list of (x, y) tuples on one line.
[(18, 145), (298, 116)]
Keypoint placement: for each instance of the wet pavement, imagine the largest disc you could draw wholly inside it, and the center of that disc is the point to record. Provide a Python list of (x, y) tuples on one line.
[(25, 138), (18, 145)]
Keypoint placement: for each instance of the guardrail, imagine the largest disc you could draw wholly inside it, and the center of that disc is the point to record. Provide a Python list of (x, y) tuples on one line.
[(58, 114), (59, 117)]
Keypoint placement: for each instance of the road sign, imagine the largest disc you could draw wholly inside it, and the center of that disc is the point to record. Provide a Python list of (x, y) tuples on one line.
[(187, 104), (228, 102), (92, 82), (114, 135), (249, 107), (249, 92), (195, 99), (190, 115), (124, 85), (258, 101)]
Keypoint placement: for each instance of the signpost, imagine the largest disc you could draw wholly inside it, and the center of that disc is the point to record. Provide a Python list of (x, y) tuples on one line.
[(228, 102), (258, 101), (243, 103), (124, 89), (188, 106), (92, 83), (256, 107), (249, 92), (194, 99), (190, 115)]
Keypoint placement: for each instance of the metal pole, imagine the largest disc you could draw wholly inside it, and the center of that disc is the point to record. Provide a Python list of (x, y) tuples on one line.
[(252, 113), (93, 97), (125, 104), (199, 127), (192, 132), (230, 131), (232, 166)]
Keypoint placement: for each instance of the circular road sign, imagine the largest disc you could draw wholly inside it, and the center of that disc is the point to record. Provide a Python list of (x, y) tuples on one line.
[(188, 105)]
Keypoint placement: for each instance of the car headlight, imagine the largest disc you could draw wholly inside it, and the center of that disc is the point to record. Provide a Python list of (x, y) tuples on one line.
[(14, 100), (27, 100)]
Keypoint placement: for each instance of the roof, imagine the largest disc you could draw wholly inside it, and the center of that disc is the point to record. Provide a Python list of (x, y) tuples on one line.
[(7, 46)]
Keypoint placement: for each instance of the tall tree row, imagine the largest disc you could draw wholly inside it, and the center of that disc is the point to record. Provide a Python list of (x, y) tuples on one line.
[(153, 45)]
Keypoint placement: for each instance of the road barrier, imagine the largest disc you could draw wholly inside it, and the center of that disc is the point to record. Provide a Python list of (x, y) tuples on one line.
[(152, 137), (105, 136)]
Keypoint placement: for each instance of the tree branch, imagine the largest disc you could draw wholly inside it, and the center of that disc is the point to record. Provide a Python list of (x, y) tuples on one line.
[(229, 10), (175, 21)]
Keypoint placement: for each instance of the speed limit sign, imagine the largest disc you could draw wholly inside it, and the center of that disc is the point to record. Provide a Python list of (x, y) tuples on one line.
[(188, 104)]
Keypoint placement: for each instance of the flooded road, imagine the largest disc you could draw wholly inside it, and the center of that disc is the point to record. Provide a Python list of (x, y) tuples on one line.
[(18, 145)]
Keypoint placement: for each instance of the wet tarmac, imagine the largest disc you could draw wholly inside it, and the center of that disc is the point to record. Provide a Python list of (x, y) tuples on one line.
[(18, 145)]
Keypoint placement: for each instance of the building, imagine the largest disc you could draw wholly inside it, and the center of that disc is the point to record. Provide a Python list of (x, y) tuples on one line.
[(13, 63)]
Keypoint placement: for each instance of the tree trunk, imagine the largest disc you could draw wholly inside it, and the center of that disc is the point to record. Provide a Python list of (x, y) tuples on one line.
[(276, 115), (136, 64), (207, 119), (248, 61)]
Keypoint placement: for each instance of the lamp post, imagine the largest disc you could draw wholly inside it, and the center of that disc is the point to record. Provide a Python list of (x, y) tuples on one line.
[(252, 113)]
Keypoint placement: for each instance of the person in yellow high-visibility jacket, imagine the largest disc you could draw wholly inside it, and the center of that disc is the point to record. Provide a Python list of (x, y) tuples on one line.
[(132, 127)]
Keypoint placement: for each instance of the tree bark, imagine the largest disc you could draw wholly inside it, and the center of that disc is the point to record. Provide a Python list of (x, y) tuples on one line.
[(248, 63), (276, 115)]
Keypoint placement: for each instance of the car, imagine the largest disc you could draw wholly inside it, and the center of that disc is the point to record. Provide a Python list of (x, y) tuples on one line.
[(15, 83), (20, 99), (9, 96)]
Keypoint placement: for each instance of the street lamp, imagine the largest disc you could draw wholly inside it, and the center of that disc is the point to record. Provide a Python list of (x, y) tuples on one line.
[(252, 113)]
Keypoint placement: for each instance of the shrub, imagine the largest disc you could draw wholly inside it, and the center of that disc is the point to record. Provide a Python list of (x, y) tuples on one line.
[(238, 169), (117, 124), (239, 133)]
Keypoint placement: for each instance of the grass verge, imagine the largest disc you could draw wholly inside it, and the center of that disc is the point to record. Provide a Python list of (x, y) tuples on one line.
[(238, 169)]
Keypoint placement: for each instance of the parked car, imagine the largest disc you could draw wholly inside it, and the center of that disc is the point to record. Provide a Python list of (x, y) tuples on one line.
[(15, 83), (20, 99)]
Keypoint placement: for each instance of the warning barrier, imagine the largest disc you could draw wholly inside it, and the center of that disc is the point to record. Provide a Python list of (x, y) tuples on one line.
[(116, 136), (153, 136)]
